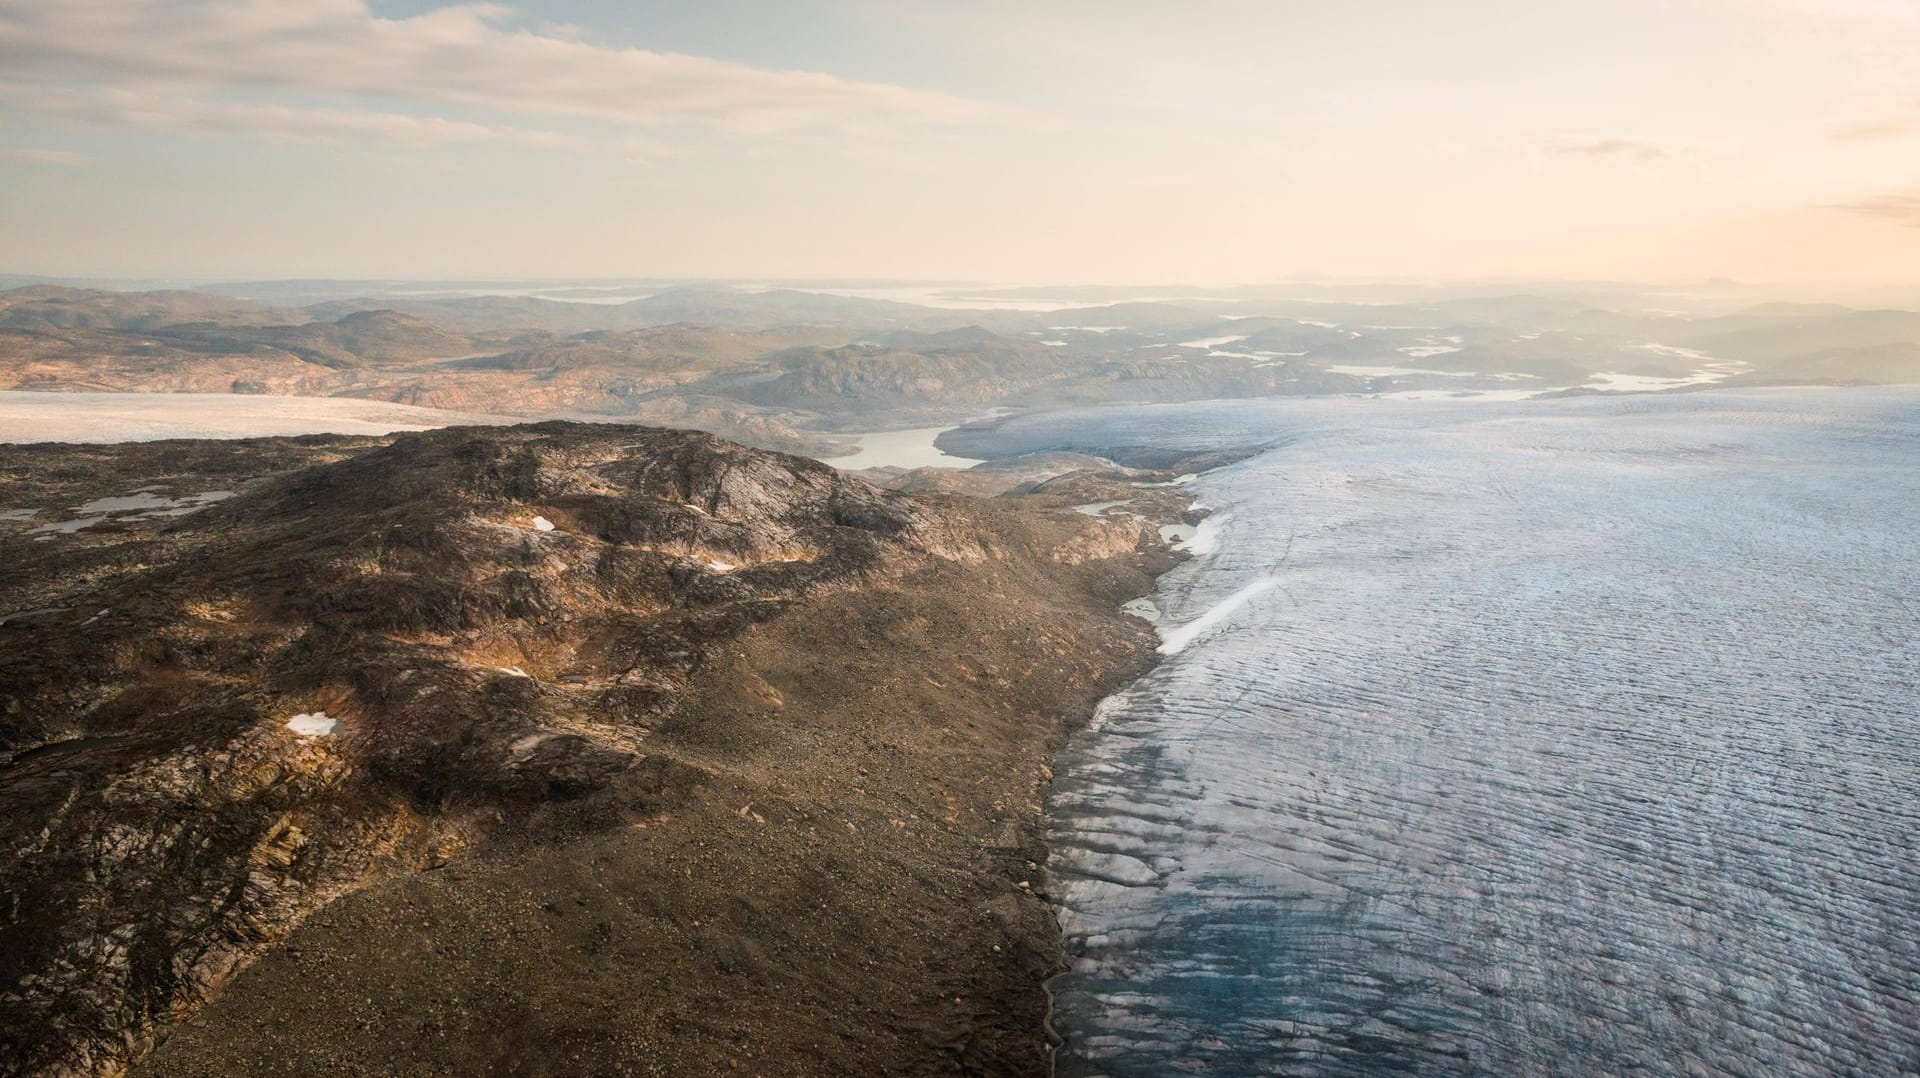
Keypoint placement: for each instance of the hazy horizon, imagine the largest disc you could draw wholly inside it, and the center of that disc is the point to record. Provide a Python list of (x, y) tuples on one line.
[(1698, 294), (1774, 141)]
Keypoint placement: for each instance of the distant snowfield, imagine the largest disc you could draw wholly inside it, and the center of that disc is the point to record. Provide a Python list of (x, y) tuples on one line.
[(1644, 383), (143, 417), (1365, 371)]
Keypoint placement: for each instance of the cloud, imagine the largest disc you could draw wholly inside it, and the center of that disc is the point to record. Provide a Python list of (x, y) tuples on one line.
[(1638, 149), (1879, 130), (36, 156), (1895, 207), (463, 57), (280, 123)]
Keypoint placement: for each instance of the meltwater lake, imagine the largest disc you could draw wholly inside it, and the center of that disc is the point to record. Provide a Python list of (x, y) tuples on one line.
[(1545, 737)]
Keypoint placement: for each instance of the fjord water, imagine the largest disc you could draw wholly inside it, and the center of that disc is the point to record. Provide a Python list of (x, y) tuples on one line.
[(1563, 737)]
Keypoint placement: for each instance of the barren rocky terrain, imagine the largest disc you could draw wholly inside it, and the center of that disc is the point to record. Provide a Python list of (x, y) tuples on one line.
[(545, 749)]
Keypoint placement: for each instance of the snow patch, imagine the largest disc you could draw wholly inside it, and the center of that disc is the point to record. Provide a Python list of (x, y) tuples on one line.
[(1392, 372), (1707, 374), (1675, 351), (542, 524), (313, 724)]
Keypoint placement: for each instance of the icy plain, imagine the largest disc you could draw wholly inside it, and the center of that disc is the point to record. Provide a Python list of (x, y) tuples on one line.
[(1561, 737)]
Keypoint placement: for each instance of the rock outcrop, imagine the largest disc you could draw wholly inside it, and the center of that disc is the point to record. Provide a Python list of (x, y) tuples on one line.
[(218, 722)]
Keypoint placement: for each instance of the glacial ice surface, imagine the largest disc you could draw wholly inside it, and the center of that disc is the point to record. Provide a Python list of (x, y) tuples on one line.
[(1570, 737)]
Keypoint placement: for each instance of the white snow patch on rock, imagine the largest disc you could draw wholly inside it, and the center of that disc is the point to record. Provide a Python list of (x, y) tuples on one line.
[(313, 724), (1369, 371), (1212, 342)]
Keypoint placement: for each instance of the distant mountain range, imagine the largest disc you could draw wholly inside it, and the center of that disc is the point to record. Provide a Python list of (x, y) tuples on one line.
[(786, 369)]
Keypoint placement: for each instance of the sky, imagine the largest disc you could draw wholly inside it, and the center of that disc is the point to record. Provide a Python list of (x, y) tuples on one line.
[(1203, 142)]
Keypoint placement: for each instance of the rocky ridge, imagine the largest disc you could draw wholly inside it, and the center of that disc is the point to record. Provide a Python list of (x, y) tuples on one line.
[(415, 653)]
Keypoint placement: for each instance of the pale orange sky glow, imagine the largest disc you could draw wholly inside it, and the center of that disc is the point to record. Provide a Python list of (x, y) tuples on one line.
[(1765, 140)]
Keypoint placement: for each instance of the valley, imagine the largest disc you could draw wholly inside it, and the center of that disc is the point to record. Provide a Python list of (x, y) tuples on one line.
[(798, 371)]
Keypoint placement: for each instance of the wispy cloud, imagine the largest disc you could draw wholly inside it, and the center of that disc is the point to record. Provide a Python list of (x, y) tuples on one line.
[(326, 62), (1895, 207), (280, 123), (1636, 149), (1880, 130), (31, 155)]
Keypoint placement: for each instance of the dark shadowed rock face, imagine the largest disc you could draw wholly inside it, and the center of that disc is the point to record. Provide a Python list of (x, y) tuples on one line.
[(483, 619)]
